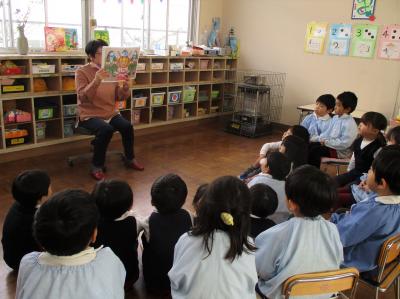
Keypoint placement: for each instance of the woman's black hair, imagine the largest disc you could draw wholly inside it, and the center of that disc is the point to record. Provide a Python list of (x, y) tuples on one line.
[(201, 190), (378, 121), (311, 189), (394, 134), (168, 193), (65, 223), (301, 132), (348, 100), (328, 100), (30, 186), (93, 45), (296, 150), (264, 200), (386, 165), (230, 195), (113, 198), (279, 165)]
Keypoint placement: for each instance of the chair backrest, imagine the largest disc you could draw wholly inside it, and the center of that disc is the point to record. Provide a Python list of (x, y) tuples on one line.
[(327, 282), (390, 251)]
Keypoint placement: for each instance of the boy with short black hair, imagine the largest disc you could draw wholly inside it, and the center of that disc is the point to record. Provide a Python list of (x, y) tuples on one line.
[(318, 122), (274, 170), (264, 203), (370, 222), (337, 140), (162, 230), (29, 189)]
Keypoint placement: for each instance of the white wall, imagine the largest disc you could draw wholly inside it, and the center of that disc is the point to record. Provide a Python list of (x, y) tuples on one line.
[(272, 34)]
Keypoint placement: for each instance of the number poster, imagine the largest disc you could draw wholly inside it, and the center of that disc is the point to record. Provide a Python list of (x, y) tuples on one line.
[(389, 42), (363, 40), (339, 39), (315, 37), (120, 62)]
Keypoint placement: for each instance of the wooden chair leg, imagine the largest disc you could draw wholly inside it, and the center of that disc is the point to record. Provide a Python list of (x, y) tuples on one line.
[(397, 288)]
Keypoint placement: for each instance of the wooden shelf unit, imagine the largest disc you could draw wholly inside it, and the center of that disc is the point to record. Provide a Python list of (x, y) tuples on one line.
[(204, 74)]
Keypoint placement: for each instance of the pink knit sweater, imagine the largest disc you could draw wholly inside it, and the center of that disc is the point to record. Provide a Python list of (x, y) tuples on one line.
[(96, 99)]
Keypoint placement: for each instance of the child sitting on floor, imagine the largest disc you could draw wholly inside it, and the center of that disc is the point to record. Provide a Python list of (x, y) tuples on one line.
[(274, 171), (364, 147), (64, 227), (295, 130), (370, 222), (215, 259), (117, 227), (296, 150), (264, 203), (162, 230), (305, 243), (318, 122), (30, 189), (337, 140)]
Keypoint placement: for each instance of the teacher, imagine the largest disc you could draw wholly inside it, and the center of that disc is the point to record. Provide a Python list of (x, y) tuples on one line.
[(97, 111)]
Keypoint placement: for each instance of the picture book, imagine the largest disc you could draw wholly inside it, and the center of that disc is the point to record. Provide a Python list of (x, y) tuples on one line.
[(120, 62), (60, 39)]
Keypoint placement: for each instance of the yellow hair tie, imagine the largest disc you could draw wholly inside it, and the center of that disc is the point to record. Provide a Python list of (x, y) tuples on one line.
[(227, 218)]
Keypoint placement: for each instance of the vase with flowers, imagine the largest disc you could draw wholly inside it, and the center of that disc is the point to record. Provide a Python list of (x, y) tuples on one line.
[(22, 41)]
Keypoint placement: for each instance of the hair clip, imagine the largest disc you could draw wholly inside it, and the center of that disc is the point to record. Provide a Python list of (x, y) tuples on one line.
[(227, 218)]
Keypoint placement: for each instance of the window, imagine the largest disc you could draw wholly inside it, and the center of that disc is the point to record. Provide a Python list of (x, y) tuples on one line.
[(145, 23), (53, 13)]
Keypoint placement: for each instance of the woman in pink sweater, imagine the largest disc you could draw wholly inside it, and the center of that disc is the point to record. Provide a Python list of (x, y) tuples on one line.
[(97, 112)]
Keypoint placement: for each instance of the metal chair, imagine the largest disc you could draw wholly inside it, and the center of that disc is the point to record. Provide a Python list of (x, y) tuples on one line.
[(318, 283), (388, 268), (71, 160)]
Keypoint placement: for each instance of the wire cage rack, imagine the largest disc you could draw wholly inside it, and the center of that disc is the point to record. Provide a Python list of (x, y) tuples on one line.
[(258, 102)]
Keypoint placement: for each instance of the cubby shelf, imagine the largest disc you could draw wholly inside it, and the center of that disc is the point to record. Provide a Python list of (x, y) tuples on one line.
[(162, 75)]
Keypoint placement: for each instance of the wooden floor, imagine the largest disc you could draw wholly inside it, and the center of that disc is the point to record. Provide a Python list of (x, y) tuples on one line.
[(198, 153)]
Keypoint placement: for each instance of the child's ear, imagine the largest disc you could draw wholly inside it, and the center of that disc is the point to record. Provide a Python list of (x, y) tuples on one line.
[(382, 185), (94, 236), (329, 111), (292, 206)]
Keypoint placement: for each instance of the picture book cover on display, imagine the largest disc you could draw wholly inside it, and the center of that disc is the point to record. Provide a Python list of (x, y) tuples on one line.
[(389, 42), (103, 35), (120, 62), (339, 39), (60, 39), (363, 40), (315, 37)]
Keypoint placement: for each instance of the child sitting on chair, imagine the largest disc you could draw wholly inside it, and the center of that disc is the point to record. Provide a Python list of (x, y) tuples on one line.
[(65, 226), (337, 140), (364, 147), (305, 243), (295, 130), (30, 189), (370, 222), (274, 170), (117, 227), (264, 202), (162, 230), (318, 122)]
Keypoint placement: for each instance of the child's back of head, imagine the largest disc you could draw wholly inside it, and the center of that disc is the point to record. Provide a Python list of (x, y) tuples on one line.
[(30, 186), (225, 206), (113, 198), (65, 224), (264, 200), (386, 166), (348, 100), (300, 132), (296, 150), (201, 190), (374, 123), (278, 165), (168, 193), (393, 135), (311, 190)]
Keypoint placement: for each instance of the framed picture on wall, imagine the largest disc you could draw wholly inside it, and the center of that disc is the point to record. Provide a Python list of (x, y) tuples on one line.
[(363, 10)]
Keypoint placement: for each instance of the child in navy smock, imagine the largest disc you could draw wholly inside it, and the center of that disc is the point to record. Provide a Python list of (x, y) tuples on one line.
[(216, 258), (117, 227), (162, 230), (305, 243), (68, 268), (29, 189), (370, 222)]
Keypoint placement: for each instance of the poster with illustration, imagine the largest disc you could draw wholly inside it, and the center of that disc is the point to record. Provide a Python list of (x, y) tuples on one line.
[(389, 42), (120, 62), (103, 35), (60, 39), (363, 40), (315, 37), (363, 9), (339, 39)]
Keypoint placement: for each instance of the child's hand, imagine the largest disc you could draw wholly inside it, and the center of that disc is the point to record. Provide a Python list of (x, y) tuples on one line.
[(363, 185)]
